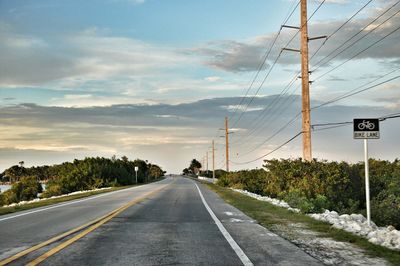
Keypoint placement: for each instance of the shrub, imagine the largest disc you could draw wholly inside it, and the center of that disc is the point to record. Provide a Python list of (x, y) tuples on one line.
[(224, 181), (1, 199), (318, 185), (52, 190), (9, 197), (26, 189), (386, 211)]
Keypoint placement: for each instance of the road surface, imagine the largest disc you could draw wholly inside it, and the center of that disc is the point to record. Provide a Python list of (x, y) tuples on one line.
[(176, 221)]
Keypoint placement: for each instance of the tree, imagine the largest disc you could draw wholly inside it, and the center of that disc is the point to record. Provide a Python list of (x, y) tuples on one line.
[(155, 171), (13, 173), (124, 159), (195, 166)]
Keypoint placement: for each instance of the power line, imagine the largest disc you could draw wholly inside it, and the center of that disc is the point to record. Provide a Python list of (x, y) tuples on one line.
[(264, 113), (340, 124), (262, 83), (291, 13), (266, 125), (285, 90), (298, 31), (262, 63), (296, 117), (265, 155), (319, 64), (359, 90), (328, 125), (362, 51), (323, 104), (279, 55), (341, 26)]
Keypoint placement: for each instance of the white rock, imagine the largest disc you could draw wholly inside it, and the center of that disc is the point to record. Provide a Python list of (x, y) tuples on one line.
[(375, 241), (390, 228), (358, 217), (345, 217), (354, 223)]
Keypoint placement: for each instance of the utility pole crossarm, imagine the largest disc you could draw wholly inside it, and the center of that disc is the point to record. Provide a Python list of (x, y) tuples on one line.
[(290, 27), (317, 38), (291, 50)]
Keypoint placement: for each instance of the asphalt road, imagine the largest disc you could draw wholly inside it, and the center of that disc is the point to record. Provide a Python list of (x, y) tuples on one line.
[(183, 224)]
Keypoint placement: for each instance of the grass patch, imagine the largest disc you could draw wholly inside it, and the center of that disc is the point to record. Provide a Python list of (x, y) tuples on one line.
[(7, 210), (269, 216)]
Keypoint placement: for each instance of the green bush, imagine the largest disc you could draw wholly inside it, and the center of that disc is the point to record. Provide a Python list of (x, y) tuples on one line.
[(9, 197), (224, 181), (318, 185), (52, 190), (1, 199), (26, 189), (386, 211)]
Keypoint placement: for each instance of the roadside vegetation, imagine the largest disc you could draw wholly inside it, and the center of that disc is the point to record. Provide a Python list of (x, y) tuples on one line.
[(196, 169), (79, 175), (289, 224), (318, 185)]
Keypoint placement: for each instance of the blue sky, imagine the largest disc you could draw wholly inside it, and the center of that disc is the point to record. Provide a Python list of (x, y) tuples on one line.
[(59, 56)]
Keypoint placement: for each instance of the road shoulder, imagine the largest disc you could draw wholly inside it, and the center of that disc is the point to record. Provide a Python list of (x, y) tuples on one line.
[(260, 244)]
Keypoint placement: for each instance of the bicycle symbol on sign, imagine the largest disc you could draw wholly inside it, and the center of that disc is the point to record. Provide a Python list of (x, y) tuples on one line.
[(366, 125)]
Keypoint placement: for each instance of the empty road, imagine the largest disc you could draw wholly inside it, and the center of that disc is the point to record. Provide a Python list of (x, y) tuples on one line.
[(176, 221)]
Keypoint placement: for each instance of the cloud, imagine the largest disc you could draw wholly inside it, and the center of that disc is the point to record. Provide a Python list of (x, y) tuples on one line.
[(232, 55), (245, 55), (213, 79), (154, 131), (79, 58)]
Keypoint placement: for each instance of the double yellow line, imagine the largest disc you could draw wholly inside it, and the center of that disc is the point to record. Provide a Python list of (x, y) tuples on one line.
[(90, 226)]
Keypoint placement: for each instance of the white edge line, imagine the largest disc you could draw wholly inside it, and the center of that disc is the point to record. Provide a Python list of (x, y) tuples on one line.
[(68, 203), (239, 252)]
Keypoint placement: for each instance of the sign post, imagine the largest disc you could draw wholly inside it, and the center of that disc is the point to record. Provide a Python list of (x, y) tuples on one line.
[(366, 129), (136, 170)]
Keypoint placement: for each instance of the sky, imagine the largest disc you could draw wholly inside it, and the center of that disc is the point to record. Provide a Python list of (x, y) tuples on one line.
[(154, 79)]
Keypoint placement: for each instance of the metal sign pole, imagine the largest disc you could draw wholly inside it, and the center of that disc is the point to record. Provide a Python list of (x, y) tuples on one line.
[(366, 128), (367, 181), (136, 170)]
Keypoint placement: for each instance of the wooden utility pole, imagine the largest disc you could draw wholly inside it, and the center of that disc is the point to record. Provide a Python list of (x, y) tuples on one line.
[(207, 161), (305, 82), (213, 158), (227, 143)]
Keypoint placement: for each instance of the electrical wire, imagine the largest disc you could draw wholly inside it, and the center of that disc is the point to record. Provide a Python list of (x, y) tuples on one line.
[(319, 64), (330, 36), (357, 54), (274, 150), (279, 55), (340, 124), (262, 63), (339, 28), (358, 89)]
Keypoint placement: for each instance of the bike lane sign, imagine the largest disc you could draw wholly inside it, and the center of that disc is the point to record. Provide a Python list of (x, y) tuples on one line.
[(366, 128)]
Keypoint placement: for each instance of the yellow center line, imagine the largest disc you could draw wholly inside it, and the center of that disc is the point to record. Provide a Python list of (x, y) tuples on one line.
[(93, 225)]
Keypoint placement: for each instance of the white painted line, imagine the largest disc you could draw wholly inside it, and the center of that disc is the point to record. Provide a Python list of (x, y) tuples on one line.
[(68, 203), (239, 252)]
